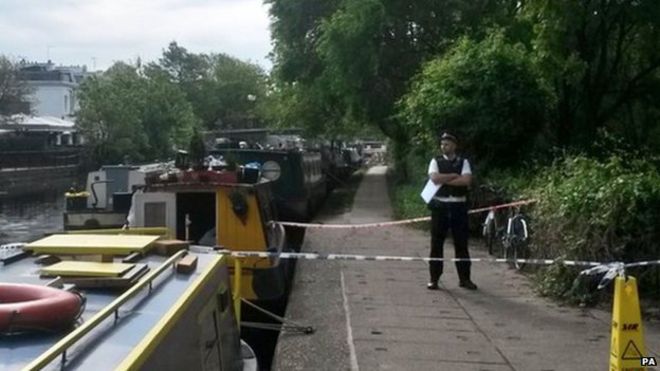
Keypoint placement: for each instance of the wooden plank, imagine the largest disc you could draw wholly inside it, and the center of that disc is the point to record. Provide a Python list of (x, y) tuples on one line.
[(86, 269), (187, 264), (84, 244), (127, 280)]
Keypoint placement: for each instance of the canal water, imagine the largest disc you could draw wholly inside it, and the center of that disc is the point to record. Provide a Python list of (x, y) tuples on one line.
[(27, 218)]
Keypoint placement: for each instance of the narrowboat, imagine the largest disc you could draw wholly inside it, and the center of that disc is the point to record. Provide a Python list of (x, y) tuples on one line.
[(116, 302), (218, 209), (106, 199), (299, 182)]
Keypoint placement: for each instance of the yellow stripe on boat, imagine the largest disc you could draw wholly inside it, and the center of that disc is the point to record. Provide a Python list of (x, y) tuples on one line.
[(154, 337), (86, 269), (84, 244)]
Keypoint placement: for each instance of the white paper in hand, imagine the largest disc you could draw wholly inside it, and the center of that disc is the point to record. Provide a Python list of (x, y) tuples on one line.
[(430, 189)]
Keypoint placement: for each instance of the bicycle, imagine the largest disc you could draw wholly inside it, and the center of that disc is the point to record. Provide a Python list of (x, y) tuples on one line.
[(510, 242), (516, 240), (492, 228)]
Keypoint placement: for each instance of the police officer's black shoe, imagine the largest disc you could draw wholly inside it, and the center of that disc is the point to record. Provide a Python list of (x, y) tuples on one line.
[(467, 284), (432, 286)]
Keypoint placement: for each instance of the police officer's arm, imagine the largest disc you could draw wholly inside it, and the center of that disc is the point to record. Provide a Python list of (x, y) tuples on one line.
[(438, 178), (461, 180), (465, 179)]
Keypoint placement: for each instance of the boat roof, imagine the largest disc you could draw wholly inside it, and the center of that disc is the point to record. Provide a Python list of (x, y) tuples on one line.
[(88, 244), (112, 340), (201, 186)]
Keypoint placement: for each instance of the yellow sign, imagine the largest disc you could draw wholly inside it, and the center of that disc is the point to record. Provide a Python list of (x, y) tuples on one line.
[(627, 334)]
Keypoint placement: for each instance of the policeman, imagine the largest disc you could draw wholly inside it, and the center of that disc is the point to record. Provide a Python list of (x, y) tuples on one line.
[(449, 210)]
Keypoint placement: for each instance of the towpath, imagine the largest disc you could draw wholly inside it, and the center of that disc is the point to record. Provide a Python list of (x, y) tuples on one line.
[(379, 315)]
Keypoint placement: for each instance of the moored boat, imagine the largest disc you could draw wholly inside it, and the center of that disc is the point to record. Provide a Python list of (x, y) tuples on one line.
[(214, 209), (160, 318), (299, 184), (299, 180), (105, 201)]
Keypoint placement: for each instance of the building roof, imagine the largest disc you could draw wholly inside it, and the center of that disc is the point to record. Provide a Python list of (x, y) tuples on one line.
[(36, 123)]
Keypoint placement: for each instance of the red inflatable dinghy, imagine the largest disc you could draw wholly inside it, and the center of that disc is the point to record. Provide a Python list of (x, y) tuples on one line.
[(33, 307)]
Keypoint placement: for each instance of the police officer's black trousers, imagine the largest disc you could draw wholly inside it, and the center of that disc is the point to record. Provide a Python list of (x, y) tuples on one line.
[(450, 215)]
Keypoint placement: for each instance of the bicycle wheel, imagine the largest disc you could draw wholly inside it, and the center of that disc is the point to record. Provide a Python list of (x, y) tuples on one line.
[(489, 235), (520, 253), (519, 235), (507, 249)]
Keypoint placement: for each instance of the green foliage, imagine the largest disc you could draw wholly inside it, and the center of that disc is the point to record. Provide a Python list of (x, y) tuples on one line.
[(239, 90), (597, 210), (407, 203), (356, 57), (13, 90), (406, 183), (143, 113), (602, 60), (110, 114), (224, 91), (127, 114), (197, 150), (488, 91)]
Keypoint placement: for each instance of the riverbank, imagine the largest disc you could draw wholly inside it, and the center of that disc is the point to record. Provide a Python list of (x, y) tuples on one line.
[(17, 182)]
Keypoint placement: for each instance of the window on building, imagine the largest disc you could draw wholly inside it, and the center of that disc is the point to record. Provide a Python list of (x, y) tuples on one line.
[(66, 103)]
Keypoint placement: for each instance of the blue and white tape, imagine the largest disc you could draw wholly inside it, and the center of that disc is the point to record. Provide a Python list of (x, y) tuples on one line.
[(357, 257)]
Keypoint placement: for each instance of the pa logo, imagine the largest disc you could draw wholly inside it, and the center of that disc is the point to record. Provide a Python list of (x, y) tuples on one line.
[(648, 361)]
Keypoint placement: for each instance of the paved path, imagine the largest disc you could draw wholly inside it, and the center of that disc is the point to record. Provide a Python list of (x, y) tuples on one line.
[(379, 315)]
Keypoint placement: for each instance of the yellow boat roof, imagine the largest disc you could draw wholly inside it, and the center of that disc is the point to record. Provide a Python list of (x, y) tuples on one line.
[(84, 244), (86, 269)]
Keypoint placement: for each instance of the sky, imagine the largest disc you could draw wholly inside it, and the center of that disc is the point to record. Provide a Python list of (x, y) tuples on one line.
[(97, 33)]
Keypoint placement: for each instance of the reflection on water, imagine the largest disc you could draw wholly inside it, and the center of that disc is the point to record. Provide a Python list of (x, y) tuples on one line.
[(27, 218)]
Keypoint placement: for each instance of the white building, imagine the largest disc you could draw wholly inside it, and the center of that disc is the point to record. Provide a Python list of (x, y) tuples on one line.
[(54, 88)]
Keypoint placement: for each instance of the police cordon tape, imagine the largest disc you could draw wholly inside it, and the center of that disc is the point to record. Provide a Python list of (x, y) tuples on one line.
[(617, 267), (396, 222), (627, 349)]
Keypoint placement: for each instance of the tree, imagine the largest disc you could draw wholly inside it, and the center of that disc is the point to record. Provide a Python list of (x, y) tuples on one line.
[(602, 58), (130, 113), (167, 116), (489, 92), (358, 56), (13, 90), (239, 89), (110, 115), (224, 91)]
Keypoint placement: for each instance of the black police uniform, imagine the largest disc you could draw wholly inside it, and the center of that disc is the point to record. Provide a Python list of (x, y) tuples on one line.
[(449, 211)]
